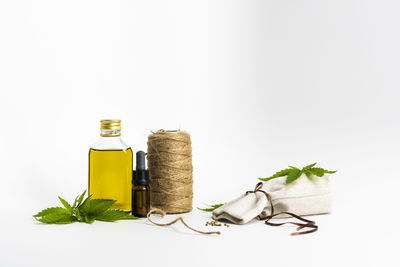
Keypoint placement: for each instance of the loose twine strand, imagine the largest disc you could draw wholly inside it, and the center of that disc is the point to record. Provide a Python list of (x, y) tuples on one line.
[(162, 213), (169, 156)]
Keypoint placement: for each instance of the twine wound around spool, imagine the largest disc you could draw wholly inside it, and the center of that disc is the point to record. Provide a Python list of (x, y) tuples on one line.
[(169, 157)]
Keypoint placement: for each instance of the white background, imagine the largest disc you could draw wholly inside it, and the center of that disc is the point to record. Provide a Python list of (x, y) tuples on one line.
[(259, 85)]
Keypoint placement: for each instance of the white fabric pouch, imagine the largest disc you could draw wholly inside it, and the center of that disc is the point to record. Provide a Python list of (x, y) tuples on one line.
[(304, 196)]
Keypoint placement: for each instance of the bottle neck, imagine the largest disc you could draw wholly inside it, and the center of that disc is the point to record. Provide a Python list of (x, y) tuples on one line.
[(110, 140), (110, 133)]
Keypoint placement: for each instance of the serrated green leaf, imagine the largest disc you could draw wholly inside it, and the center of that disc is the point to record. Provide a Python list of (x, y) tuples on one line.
[(57, 219), (95, 207), (51, 210), (317, 171), (55, 215), (309, 166), (115, 215), (74, 204), (66, 204), (85, 205), (212, 207), (88, 219), (78, 215), (83, 210), (276, 175), (99, 206), (81, 198), (85, 201), (320, 171), (293, 175), (326, 171)]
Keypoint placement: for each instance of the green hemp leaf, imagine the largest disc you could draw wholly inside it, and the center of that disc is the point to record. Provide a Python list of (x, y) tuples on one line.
[(113, 215), (83, 210), (211, 207), (293, 173)]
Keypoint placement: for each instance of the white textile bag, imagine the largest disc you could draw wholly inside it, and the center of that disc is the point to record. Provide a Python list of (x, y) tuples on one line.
[(304, 196)]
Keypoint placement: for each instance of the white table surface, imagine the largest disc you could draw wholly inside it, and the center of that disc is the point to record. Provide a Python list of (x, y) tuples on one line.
[(367, 236)]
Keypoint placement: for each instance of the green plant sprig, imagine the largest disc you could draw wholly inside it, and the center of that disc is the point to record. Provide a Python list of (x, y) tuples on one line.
[(294, 173), (211, 207), (82, 210)]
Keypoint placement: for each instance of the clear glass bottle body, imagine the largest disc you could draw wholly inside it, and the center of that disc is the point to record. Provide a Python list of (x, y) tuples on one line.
[(110, 170)]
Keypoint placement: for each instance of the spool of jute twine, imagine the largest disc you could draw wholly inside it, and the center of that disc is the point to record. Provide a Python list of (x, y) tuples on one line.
[(169, 157)]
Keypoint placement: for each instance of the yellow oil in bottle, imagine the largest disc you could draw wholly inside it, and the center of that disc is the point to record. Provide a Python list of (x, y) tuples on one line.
[(110, 176)]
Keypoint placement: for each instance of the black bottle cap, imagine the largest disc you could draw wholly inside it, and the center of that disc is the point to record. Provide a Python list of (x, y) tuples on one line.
[(140, 175)]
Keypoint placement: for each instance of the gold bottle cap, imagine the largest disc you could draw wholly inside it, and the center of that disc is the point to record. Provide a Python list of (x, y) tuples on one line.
[(110, 127)]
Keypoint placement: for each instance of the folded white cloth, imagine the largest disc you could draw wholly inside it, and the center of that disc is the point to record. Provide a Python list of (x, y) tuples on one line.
[(305, 196)]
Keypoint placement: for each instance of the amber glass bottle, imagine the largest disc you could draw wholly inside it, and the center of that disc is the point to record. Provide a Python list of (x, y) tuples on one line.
[(141, 189), (110, 166)]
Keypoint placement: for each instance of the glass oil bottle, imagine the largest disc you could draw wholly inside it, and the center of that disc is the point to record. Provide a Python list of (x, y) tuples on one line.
[(141, 188), (110, 166)]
